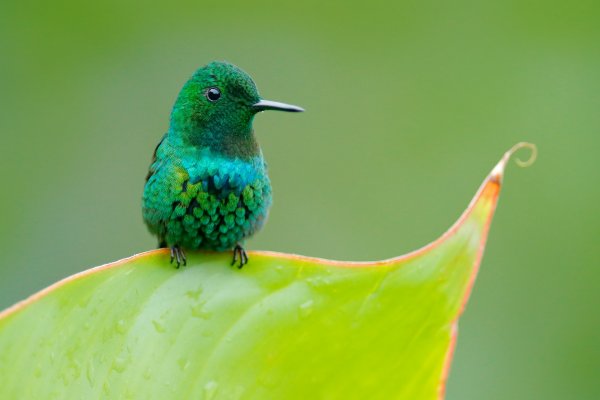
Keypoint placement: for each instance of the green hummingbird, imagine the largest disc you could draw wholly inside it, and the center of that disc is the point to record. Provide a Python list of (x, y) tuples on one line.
[(207, 187)]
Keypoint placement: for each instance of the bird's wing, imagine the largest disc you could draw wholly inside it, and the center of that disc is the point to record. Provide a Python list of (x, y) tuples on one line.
[(153, 164)]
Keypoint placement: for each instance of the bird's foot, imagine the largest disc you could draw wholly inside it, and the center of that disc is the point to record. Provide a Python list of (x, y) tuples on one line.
[(178, 256), (239, 252)]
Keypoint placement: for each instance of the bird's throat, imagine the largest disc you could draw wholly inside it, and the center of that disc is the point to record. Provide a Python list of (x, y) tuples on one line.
[(243, 146), (239, 144)]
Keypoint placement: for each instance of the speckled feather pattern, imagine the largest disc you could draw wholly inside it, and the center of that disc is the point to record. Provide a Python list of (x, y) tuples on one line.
[(198, 200)]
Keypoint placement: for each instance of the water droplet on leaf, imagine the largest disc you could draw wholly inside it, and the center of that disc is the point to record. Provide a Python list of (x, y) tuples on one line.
[(119, 364), (194, 294), (183, 363), (306, 308), (199, 311), (158, 326), (121, 326), (210, 389)]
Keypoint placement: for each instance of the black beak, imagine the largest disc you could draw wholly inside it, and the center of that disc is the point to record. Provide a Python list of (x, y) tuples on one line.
[(275, 105)]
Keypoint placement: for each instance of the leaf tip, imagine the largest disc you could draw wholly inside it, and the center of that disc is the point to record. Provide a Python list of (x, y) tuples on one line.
[(498, 171), (524, 145)]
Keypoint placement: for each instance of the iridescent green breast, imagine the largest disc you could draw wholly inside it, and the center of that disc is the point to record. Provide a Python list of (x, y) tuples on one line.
[(202, 201)]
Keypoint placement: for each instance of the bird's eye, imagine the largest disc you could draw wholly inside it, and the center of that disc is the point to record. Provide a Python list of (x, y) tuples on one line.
[(213, 94)]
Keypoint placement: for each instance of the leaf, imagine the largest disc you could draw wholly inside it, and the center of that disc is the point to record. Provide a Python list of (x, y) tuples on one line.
[(283, 327)]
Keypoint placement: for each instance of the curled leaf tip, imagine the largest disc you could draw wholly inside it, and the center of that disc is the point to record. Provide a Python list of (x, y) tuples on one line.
[(498, 171), (524, 145)]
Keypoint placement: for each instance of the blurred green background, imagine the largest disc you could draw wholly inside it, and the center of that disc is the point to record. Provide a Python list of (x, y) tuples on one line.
[(409, 105)]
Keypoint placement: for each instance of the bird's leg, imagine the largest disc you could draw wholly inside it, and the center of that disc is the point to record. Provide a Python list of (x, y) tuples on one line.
[(238, 251), (178, 255), (173, 257)]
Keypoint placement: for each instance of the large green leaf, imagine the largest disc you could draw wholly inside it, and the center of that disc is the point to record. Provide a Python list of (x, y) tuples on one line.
[(283, 327)]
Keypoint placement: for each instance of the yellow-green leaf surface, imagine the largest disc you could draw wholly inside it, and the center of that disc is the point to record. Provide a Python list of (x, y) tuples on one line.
[(283, 327)]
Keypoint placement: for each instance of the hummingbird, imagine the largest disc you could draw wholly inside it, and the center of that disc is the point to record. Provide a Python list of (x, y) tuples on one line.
[(207, 186)]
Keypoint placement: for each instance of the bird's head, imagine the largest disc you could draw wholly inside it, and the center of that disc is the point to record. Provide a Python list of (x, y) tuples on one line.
[(216, 106)]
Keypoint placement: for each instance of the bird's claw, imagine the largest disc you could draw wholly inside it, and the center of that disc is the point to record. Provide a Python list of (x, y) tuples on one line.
[(178, 256), (239, 252)]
